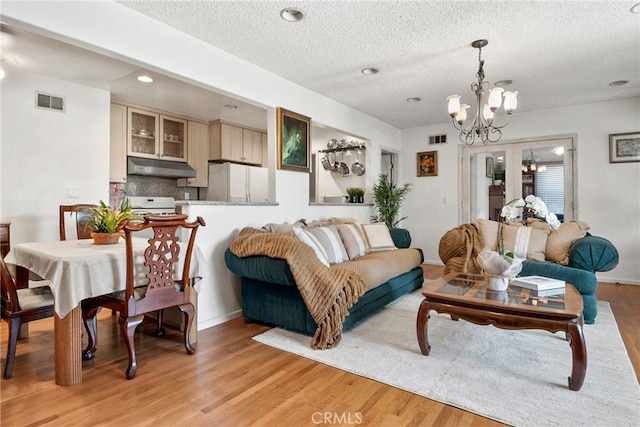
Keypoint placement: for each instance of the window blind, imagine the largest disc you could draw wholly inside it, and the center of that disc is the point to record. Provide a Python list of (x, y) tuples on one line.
[(550, 187)]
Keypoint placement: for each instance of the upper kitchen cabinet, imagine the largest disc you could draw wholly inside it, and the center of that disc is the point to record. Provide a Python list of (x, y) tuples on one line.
[(235, 143), (156, 136), (118, 144), (197, 155)]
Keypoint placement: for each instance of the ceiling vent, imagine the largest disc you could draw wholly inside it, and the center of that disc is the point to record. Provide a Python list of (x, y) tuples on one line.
[(438, 139), (49, 102)]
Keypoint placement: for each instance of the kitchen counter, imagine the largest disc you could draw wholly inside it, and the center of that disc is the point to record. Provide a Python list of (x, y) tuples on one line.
[(222, 203)]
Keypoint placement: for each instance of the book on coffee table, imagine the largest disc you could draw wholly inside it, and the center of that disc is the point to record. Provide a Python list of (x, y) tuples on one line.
[(538, 283)]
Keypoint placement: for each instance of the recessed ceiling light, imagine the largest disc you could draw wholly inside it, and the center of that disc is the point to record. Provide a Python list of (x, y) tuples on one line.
[(145, 79), (414, 99), (635, 8), (370, 71), (292, 14), (619, 83), (230, 106), (503, 83)]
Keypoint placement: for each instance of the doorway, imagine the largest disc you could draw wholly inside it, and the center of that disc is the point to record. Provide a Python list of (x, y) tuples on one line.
[(387, 165), (494, 175)]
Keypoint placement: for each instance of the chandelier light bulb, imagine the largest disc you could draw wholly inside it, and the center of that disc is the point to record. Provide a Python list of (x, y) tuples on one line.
[(495, 98), (510, 101), (462, 113), (454, 105), (487, 112)]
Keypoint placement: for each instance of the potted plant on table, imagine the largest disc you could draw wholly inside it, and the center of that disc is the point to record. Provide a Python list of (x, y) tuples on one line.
[(107, 221)]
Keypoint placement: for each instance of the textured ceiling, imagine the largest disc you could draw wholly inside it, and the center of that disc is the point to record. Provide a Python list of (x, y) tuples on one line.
[(558, 53)]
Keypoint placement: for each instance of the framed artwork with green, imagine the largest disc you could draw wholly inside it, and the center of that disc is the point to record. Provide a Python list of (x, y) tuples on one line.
[(294, 141)]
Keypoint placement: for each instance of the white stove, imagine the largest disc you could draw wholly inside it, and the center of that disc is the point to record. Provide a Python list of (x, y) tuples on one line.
[(152, 205)]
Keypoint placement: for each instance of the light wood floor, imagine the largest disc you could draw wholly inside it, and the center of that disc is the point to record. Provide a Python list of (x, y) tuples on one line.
[(230, 381)]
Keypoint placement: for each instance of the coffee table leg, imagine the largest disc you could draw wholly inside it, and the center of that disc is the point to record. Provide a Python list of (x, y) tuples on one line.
[(579, 354), (421, 327)]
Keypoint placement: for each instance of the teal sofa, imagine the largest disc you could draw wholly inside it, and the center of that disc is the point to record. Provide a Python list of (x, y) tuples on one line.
[(270, 295), (587, 255)]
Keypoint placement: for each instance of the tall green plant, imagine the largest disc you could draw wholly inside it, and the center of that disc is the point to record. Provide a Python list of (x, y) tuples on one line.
[(388, 199)]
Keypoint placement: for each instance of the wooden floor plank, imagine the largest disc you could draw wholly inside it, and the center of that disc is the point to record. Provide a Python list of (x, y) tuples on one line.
[(232, 380)]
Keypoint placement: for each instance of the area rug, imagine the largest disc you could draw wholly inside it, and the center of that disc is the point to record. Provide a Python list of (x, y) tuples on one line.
[(516, 377)]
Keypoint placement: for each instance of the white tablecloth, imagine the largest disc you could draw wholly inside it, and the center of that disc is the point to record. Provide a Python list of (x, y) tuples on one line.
[(78, 269)]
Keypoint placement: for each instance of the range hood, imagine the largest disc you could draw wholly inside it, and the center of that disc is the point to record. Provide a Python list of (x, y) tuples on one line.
[(156, 167)]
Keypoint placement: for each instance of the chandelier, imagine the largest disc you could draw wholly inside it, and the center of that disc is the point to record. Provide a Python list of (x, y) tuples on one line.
[(482, 127)]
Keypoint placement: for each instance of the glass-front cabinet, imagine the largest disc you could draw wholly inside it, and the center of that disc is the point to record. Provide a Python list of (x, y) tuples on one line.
[(156, 136)]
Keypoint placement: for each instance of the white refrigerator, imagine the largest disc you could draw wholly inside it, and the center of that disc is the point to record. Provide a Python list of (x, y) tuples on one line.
[(232, 182)]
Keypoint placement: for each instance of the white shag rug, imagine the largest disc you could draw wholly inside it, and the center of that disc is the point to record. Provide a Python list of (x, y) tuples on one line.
[(516, 377)]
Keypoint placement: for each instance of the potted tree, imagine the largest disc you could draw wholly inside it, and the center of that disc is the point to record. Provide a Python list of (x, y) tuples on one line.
[(388, 198)]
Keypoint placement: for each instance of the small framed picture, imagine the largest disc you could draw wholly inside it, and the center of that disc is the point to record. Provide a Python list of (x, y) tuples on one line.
[(427, 163), (624, 147), (294, 141), (489, 167)]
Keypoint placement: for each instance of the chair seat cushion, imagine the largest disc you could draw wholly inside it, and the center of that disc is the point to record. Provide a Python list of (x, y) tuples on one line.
[(138, 293), (31, 298)]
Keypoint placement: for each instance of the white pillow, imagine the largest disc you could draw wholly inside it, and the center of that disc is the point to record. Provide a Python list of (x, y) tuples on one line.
[(330, 241), (378, 237), (310, 240)]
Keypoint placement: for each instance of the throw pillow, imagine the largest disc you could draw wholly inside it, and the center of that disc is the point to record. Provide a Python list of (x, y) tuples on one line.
[(378, 237), (524, 242), (559, 241), (352, 239), (330, 241), (310, 240)]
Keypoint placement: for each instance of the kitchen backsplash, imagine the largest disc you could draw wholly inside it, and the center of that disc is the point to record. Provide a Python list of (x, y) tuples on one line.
[(155, 186)]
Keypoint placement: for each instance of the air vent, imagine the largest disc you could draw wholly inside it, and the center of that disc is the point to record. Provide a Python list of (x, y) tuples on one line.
[(49, 102), (437, 139)]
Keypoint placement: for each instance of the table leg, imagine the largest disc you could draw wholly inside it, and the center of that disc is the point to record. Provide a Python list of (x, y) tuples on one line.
[(68, 348), (579, 355), (421, 327)]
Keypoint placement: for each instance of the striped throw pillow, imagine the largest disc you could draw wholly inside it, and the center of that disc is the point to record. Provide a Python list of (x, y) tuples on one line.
[(310, 240), (329, 239), (352, 239)]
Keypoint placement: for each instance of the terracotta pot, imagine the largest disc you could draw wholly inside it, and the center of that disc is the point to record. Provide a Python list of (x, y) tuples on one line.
[(105, 238)]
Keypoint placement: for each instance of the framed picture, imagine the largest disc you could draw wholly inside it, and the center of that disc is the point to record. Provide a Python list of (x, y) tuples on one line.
[(427, 163), (294, 141), (624, 147), (489, 167)]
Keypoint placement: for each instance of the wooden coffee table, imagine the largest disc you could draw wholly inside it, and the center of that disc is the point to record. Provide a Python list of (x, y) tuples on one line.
[(466, 296)]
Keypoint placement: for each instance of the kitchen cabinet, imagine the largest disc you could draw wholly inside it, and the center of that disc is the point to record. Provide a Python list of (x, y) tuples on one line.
[(118, 144), (233, 182), (197, 154), (154, 136), (230, 142)]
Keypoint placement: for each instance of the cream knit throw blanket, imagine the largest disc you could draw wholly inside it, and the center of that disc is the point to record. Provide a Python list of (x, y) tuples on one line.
[(328, 293)]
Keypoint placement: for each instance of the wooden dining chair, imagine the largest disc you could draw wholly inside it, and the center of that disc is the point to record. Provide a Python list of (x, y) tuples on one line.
[(164, 288), (82, 213), (20, 306)]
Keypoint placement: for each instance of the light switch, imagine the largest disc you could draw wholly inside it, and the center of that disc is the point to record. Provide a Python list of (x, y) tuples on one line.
[(73, 193)]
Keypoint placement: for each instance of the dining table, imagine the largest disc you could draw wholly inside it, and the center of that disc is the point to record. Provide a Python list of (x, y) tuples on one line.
[(77, 270)]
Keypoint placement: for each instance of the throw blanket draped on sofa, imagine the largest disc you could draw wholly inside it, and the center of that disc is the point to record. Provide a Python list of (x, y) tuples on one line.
[(459, 249), (328, 293)]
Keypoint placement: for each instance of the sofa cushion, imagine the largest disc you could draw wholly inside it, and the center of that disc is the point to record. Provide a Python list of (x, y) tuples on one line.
[(352, 239), (330, 241), (378, 237), (311, 240), (559, 241), (526, 242), (376, 268)]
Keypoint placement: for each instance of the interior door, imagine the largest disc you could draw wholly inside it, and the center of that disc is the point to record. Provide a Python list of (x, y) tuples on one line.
[(545, 168)]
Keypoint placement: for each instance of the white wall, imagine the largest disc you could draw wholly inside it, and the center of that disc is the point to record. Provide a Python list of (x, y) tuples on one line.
[(44, 153), (608, 194)]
